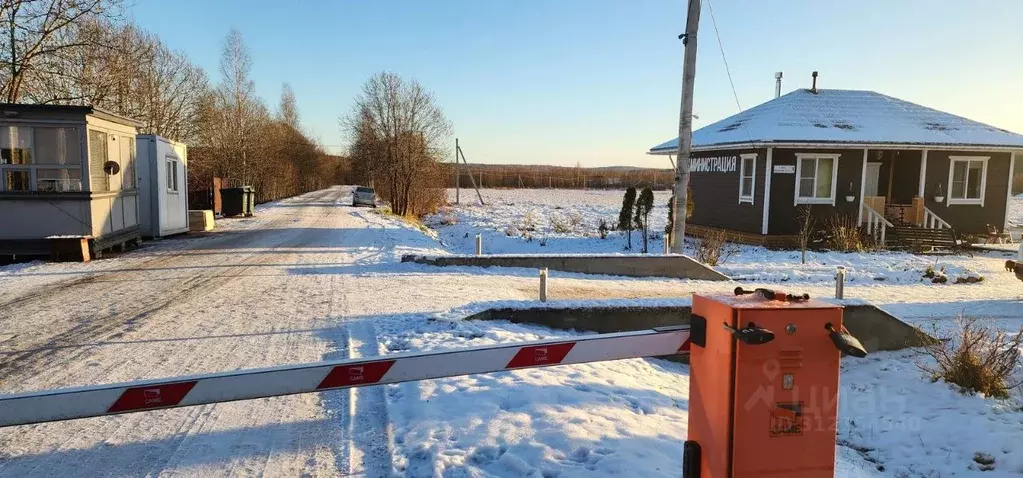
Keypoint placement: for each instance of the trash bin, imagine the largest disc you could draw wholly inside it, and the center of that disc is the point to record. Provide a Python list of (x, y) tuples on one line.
[(238, 201), (233, 201), (250, 200)]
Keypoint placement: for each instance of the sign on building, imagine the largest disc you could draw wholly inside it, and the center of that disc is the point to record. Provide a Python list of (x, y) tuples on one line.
[(717, 164)]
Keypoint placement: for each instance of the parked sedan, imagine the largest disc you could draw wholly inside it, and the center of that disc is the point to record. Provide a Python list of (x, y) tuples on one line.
[(364, 196)]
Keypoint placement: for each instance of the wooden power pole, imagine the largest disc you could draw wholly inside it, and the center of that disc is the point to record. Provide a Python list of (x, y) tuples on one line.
[(685, 128), (458, 175)]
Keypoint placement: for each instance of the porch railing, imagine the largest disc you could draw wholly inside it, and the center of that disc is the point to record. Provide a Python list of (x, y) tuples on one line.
[(932, 221), (877, 225)]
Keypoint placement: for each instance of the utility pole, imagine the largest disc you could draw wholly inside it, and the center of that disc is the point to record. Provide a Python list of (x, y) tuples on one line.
[(472, 179), (685, 127), (458, 174)]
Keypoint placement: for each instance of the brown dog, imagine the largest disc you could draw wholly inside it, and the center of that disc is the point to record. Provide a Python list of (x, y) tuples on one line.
[(1010, 266)]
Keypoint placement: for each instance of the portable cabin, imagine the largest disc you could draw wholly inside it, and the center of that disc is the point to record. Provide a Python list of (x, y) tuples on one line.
[(163, 185), (858, 156), (66, 171)]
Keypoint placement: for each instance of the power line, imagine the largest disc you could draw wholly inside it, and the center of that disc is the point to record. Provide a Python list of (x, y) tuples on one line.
[(721, 47)]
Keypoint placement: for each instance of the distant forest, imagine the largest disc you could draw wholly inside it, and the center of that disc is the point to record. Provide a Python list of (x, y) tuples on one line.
[(559, 177)]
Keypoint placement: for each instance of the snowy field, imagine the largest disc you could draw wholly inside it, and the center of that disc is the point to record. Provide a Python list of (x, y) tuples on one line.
[(310, 279), (544, 221)]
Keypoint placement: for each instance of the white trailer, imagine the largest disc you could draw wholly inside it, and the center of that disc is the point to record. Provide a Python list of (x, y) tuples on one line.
[(163, 185)]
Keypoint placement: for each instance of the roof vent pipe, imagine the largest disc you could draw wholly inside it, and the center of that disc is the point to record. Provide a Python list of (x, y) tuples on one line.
[(777, 84), (813, 89)]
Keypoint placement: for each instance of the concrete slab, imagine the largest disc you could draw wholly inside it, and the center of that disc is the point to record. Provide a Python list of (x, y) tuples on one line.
[(875, 328), (673, 265)]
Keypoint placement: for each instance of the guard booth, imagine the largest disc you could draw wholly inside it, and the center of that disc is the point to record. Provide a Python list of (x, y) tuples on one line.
[(763, 395)]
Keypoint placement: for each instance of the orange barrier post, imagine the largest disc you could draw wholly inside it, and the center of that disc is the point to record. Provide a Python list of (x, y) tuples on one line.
[(763, 397)]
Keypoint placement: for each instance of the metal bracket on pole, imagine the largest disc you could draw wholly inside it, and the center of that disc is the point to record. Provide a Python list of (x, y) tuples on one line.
[(101, 400)]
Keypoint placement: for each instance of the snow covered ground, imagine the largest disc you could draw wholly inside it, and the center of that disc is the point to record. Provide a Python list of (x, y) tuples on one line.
[(522, 220), (309, 279)]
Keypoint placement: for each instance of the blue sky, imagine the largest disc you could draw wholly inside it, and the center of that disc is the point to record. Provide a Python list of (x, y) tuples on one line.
[(599, 82)]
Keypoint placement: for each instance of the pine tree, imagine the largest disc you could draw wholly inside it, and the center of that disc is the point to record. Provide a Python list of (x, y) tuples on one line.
[(625, 215), (690, 205), (642, 218)]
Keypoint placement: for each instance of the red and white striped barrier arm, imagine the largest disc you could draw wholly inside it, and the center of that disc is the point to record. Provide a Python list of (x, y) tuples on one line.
[(70, 403)]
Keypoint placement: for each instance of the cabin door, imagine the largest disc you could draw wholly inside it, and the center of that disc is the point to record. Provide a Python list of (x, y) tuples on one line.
[(873, 174)]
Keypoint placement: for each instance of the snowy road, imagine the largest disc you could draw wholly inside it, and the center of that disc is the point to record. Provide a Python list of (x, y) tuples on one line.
[(241, 298)]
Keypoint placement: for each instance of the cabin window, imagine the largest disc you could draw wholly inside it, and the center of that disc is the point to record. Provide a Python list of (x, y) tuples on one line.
[(816, 177), (967, 179), (747, 177), (128, 157), (172, 174), (98, 155), (17, 179), (40, 159), (58, 159)]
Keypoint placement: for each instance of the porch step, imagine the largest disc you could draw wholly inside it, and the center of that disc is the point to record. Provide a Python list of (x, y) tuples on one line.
[(923, 239)]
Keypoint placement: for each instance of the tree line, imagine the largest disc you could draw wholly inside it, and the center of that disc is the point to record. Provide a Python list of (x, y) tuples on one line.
[(556, 177), (83, 52)]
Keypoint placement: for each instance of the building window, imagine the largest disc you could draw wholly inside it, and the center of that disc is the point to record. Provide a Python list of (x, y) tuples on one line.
[(17, 179), (58, 159), (816, 177), (40, 159), (967, 179), (128, 160), (98, 179), (16, 145), (172, 174), (747, 177), (60, 180)]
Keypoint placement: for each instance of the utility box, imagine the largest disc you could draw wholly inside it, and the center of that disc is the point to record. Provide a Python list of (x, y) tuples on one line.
[(763, 397), (163, 185)]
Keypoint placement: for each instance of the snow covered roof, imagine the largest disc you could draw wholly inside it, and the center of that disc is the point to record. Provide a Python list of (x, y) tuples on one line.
[(846, 116)]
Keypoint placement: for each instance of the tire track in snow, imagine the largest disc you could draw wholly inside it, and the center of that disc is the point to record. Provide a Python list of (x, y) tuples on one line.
[(40, 354), (371, 430), (230, 438)]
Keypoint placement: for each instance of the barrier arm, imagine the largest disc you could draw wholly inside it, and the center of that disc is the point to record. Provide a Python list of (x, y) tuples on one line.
[(112, 399)]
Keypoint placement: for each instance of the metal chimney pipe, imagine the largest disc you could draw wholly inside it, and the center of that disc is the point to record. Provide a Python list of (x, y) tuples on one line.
[(813, 89), (777, 84)]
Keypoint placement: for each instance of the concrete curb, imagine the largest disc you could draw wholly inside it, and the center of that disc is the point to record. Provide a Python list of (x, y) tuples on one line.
[(674, 266), (876, 329)]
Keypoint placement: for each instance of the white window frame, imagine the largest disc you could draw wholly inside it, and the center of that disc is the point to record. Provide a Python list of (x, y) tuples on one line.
[(35, 166), (952, 160), (172, 174), (748, 197), (799, 174)]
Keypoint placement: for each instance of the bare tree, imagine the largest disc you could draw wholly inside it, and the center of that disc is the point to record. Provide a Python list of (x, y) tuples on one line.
[(242, 113), (806, 227), (398, 133), (35, 31), (289, 107)]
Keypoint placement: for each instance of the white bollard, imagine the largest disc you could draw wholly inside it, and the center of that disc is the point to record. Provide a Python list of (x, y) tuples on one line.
[(479, 244), (543, 285), (840, 282), (667, 244)]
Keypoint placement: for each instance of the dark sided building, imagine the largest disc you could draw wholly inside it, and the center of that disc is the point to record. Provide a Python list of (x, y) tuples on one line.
[(878, 160)]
